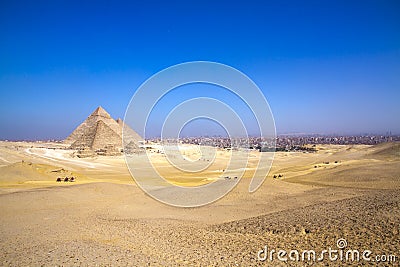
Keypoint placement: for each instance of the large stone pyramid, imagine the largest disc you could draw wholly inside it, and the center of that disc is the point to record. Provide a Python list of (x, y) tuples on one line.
[(100, 132)]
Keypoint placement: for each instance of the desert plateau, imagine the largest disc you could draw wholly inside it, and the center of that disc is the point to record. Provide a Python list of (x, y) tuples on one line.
[(102, 218)]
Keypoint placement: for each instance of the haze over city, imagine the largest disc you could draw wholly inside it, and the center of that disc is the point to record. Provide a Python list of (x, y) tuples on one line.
[(324, 67)]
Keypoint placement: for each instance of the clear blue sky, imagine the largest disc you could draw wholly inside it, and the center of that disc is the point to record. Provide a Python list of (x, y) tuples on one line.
[(324, 66)]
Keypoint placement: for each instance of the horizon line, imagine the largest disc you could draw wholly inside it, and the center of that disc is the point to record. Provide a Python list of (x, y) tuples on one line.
[(387, 134)]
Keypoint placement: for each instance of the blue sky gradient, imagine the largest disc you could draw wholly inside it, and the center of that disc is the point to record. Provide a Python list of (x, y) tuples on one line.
[(324, 66)]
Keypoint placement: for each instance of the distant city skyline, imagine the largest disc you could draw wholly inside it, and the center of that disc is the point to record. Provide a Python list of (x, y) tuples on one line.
[(325, 67)]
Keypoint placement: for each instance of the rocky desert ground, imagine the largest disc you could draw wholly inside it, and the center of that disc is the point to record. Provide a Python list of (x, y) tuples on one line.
[(339, 198)]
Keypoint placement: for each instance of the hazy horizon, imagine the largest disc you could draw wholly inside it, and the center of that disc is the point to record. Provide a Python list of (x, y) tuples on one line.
[(324, 67)]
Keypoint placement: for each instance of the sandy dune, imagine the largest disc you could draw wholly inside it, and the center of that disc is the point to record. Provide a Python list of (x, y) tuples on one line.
[(104, 219)]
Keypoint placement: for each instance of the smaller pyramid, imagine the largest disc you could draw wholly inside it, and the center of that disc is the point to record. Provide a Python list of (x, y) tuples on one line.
[(100, 132)]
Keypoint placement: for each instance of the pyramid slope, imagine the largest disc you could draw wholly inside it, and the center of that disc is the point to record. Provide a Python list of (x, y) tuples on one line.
[(98, 137), (129, 134), (106, 137), (91, 121), (100, 131)]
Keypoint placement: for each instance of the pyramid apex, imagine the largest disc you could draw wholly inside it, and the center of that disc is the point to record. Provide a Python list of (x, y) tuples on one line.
[(100, 111)]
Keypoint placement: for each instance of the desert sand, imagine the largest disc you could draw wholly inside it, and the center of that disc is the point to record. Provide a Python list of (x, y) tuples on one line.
[(104, 219)]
